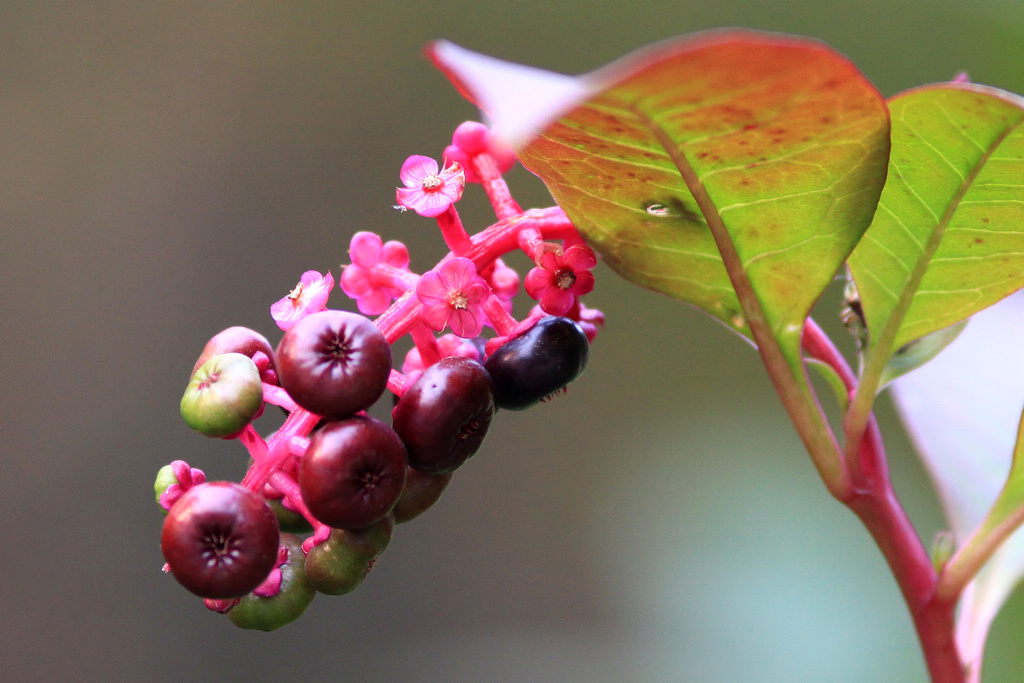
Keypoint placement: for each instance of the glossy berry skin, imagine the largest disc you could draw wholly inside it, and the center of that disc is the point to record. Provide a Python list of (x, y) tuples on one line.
[(353, 472), (267, 614), (220, 540), (443, 417), (420, 493), (538, 362), (237, 340), (334, 363), (338, 565), (223, 396)]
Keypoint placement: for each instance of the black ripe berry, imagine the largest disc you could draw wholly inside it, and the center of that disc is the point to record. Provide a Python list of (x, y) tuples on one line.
[(334, 363), (220, 540), (538, 362), (353, 472), (443, 417)]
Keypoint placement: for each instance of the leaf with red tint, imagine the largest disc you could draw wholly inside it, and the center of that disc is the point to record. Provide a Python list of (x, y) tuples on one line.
[(733, 170)]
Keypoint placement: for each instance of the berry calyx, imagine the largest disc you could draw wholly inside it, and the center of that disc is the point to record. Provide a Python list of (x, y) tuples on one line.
[(289, 602), (444, 416), (334, 363), (224, 395), (220, 540), (353, 472), (537, 363)]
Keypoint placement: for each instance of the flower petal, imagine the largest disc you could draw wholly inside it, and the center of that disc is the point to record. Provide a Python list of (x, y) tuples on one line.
[(431, 289), (415, 169), (364, 249)]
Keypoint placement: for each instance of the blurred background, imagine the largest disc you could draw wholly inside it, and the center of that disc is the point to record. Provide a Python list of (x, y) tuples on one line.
[(170, 169)]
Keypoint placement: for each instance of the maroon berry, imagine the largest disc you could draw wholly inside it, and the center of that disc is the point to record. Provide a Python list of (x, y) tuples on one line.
[(353, 472), (334, 363), (443, 417), (220, 540), (238, 340), (538, 362)]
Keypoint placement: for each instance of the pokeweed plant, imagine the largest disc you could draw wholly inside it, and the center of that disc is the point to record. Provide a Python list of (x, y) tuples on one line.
[(737, 171)]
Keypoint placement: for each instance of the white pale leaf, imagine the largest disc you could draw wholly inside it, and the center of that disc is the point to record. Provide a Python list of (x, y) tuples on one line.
[(518, 100), (962, 410)]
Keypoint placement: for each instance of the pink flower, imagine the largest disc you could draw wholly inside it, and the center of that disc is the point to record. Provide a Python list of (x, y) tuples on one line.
[(453, 295), (472, 139), (427, 191), (365, 280), (309, 296), (448, 345), (561, 278)]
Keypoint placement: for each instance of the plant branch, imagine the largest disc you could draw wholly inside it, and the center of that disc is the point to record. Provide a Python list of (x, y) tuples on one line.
[(874, 502)]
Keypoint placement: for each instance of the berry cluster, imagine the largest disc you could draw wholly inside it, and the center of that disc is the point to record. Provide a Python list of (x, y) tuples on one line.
[(333, 473)]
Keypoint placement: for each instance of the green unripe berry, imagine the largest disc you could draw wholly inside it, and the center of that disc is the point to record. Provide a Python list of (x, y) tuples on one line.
[(268, 614), (165, 479), (223, 396), (338, 565)]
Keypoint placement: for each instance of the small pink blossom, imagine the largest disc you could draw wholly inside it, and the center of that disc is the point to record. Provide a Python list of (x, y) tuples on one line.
[(561, 278), (363, 279), (453, 295), (309, 296), (448, 345), (428, 191), (187, 477), (472, 138)]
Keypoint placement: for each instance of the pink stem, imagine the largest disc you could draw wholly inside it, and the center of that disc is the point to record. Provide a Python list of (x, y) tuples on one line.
[(278, 396), (387, 275), (426, 344), (495, 186), (299, 423), (504, 324), (452, 231), (290, 489), (253, 443), (397, 382), (532, 244), (874, 501)]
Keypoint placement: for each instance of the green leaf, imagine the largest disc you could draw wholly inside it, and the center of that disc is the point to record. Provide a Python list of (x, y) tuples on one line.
[(705, 164), (948, 237)]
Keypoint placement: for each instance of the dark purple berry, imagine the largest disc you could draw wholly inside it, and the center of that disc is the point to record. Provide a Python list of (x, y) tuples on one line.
[(353, 472), (238, 340), (269, 613), (338, 565), (443, 417), (538, 362), (334, 363), (223, 396), (220, 540), (421, 491)]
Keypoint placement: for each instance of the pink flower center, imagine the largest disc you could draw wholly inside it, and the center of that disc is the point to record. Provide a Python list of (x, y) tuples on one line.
[(296, 293), (458, 300), (565, 279), (433, 183)]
